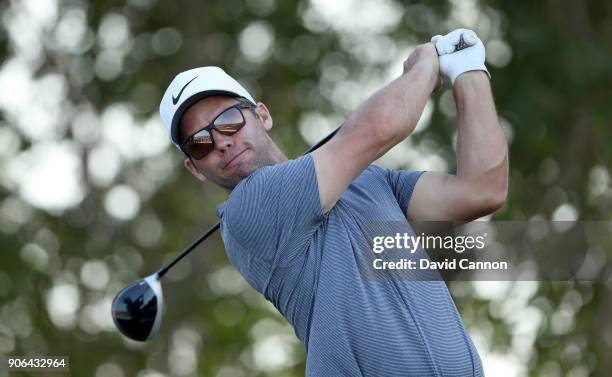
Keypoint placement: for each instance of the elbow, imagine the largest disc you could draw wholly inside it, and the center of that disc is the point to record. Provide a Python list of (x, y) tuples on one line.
[(498, 187), (483, 200), (491, 189), (492, 199), (495, 200), (483, 204)]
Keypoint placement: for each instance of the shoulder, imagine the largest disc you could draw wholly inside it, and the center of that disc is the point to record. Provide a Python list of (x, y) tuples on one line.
[(375, 174), (400, 182), (389, 173), (376, 170)]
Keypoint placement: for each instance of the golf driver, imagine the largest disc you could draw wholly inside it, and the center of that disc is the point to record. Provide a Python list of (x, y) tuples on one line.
[(137, 309)]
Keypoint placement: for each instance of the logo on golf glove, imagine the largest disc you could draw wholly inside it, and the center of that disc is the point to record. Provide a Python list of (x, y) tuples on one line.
[(460, 51)]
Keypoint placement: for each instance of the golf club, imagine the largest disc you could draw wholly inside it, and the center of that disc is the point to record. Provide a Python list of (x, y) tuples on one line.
[(137, 309)]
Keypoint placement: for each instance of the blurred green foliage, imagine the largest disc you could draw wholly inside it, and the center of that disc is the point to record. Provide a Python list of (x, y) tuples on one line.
[(552, 79)]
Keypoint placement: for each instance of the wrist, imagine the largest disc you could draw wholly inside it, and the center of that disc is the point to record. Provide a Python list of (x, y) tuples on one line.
[(468, 68), (471, 78), (429, 72), (471, 86)]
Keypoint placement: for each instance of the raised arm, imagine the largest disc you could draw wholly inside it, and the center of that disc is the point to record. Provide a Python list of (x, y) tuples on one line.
[(379, 123), (481, 182)]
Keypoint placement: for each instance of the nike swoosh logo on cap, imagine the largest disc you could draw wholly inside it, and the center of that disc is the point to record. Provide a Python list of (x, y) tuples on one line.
[(175, 99)]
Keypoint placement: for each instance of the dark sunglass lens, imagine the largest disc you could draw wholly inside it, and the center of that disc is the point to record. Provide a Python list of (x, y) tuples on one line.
[(134, 310), (199, 145), (229, 122)]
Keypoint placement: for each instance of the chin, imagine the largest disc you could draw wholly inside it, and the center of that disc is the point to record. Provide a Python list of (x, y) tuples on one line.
[(245, 169), (232, 181), (240, 172), (243, 173)]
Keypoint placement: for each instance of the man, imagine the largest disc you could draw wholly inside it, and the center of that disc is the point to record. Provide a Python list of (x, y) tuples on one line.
[(293, 227)]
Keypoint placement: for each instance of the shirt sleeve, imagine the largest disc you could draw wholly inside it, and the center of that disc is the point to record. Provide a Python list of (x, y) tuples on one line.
[(402, 184), (277, 208)]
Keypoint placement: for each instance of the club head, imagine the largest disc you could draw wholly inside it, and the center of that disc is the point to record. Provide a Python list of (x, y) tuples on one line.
[(137, 309)]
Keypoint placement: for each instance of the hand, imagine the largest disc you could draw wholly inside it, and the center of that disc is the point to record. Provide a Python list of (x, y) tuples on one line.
[(460, 51), (426, 55)]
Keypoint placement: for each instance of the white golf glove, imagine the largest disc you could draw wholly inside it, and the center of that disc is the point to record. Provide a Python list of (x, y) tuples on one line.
[(460, 51)]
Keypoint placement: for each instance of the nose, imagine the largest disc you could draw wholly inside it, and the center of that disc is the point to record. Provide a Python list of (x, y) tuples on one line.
[(222, 142)]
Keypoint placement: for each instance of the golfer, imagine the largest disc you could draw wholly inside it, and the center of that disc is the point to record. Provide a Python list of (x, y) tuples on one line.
[(292, 227)]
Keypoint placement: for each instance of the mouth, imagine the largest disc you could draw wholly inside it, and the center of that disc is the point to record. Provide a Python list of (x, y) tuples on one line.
[(234, 158)]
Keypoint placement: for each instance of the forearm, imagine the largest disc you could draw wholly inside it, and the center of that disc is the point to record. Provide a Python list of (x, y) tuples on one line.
[(391, 114), (482, 150), (379, 123)]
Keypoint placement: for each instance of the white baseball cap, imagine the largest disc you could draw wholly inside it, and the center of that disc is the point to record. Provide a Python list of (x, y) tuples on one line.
[(191, 86)]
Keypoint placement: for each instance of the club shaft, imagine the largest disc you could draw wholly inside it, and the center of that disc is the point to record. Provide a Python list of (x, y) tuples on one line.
[(214, 228), (187, 250)]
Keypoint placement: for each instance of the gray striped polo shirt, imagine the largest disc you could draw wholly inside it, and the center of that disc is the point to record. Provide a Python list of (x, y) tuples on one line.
[(307, 264)]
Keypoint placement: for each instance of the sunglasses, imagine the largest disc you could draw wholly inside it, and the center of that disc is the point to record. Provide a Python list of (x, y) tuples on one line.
[(228, 122)]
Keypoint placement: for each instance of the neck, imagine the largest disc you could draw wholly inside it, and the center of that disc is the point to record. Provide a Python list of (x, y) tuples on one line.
[(276, 154)]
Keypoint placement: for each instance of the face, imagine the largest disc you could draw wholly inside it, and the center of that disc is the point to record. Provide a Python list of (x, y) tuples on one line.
[(234, 157)]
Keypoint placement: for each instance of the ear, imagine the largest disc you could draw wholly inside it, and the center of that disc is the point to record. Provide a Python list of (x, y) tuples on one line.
[(194, 170), (264, 115)]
